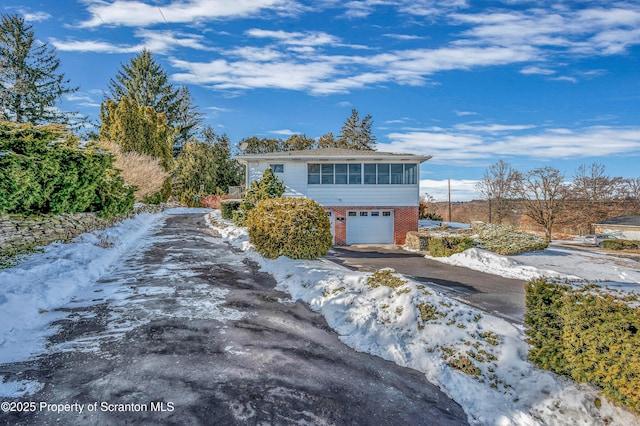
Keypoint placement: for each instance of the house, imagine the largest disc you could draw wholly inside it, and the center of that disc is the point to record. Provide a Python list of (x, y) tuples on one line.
[(621, 227), (371, 197)]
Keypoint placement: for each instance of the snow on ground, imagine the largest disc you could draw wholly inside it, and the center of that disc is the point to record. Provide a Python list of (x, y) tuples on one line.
[(555, 261), (478, 360)]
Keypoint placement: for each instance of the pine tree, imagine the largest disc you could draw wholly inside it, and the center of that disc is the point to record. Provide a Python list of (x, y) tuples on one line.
[(30, 84), (144, 81), (356, 133), (187, 119), (147, 83)]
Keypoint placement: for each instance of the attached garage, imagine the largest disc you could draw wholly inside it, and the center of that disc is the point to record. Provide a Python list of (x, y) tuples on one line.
[(370, 227)]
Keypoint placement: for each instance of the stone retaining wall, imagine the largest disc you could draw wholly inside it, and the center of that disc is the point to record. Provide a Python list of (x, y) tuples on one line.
[(19, 233)]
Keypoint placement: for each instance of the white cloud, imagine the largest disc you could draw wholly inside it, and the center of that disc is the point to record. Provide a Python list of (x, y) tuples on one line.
[(96, 46), (471, 148), (464, 113), (309, 38), (140, 14), (35, 16), (493, 128), (461, 189), (282, 132), (536, 70)]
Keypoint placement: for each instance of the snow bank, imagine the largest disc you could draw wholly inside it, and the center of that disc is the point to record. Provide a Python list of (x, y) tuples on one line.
[(478, 360), (32, 290)]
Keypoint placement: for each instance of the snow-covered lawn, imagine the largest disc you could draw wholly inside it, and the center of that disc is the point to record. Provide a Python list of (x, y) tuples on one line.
[(478, 360)]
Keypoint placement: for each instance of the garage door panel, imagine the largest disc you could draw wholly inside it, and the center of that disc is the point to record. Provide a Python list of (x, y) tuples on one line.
[(370, 227)]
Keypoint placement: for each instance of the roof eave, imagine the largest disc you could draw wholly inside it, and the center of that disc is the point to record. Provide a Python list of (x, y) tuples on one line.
[(394, 157)]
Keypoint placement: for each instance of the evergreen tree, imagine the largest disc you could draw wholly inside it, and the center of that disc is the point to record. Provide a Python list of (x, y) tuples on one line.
[(187, 119), (208, 164), (147, 83), (137, 128), (30, 83), (357, 133), (144, 81)]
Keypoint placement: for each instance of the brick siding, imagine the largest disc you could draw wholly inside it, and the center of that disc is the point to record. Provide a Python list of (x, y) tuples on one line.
[(405, 220)]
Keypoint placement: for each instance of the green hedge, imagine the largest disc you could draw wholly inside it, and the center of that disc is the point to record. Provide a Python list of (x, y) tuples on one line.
[(227, 207), (587, 334), (447, 245), (298, 228), (44, 170), (620, 244)]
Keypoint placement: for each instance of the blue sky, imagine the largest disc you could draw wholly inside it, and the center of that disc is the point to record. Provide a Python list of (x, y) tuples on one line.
[(533, 83)]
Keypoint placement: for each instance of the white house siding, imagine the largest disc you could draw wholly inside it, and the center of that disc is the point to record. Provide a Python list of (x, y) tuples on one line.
[(625, 233), (364, 195), (294, 176), (295, 179)]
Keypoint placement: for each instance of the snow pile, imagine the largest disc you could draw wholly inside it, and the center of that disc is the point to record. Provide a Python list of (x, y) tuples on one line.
[(31, 291), (506, 266), (478, 360)]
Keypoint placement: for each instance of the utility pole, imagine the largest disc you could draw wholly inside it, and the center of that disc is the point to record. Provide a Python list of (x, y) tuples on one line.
[(449, 185)]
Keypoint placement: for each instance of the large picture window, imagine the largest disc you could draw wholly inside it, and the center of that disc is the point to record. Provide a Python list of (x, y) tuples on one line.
[(368, 174)]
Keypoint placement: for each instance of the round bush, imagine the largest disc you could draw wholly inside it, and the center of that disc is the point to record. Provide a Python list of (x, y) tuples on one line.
[(294, 227)]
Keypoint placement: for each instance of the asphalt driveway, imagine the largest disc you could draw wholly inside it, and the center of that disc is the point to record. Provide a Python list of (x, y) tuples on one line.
[(503, 297), (187, 331)]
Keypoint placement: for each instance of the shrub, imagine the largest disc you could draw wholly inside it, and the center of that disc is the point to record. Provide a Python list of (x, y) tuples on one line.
[(190, 198), (213, 201), (386, 278), (140, 170), (227, 207), (587, 334), (620, 244), (445, 246), (294, 227), (43, 169), (113, 197), (506, 240), (268, 186)]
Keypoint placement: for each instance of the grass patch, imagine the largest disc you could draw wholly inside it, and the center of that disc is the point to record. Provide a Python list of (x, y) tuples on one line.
[(385, 277)]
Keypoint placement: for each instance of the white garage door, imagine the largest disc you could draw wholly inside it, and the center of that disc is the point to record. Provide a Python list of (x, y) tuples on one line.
[(370, 227)]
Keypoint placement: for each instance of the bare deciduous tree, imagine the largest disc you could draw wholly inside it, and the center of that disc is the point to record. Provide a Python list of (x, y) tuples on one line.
[(593, 193), (543, 193), (498, 187)]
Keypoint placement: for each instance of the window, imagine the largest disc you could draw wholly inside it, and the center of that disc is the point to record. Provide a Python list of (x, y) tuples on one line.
[(340, 174), (277, 168), (327, 174), (355, 174), (396, 174), (370, 174), (352, 214), (364, 213), (375, 214), (383, 174), (386, 213), (410, 177), (313, 174)]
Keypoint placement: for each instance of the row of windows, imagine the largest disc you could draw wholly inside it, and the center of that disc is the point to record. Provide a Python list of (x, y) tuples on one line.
[(356, 174), (373, 214)]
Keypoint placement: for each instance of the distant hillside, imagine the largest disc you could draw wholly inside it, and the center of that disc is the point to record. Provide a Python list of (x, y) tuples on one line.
[(571, 222)]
